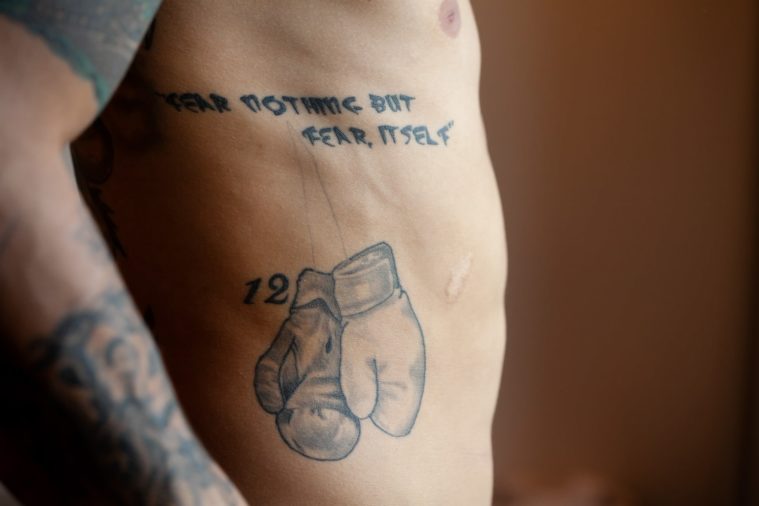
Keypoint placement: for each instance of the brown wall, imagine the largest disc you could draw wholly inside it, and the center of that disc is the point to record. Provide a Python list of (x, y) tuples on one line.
[(623, 138)]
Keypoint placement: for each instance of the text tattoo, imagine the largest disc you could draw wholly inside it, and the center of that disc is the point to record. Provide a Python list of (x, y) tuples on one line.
[(326, 135)]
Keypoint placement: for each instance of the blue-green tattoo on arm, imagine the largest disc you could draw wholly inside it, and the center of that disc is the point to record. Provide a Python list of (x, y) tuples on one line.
[(97, 38)]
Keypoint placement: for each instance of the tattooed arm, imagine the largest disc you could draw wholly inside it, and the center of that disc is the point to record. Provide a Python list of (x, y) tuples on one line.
[(64, 313)]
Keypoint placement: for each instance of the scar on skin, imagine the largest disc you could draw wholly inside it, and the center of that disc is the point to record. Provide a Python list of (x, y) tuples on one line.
[(450, 17), (459, 275)]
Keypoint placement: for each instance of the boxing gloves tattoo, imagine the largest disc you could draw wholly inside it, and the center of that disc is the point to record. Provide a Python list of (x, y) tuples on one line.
[(297, 378), (382, 366), (352, 348)]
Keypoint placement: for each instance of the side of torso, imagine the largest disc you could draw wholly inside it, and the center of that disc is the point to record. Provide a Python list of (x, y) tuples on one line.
[(253, 140)]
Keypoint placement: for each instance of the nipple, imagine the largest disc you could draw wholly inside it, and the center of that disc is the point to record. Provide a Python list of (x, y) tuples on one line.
[(450, 17)]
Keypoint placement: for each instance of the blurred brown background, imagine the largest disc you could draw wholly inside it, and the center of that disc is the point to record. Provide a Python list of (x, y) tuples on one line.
[(624, 137)]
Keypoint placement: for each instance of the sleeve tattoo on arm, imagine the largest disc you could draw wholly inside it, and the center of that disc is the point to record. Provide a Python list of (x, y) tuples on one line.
[(351, 348), (97, 38), (100, 359)]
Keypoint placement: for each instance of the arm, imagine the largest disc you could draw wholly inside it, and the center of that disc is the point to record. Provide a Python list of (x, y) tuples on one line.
[(65, 315)]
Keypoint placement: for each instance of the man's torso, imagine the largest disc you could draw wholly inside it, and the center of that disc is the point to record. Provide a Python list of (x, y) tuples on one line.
[(253, 140)]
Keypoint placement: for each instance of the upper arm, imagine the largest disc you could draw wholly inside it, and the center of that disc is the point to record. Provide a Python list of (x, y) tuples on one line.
[(62, 59)]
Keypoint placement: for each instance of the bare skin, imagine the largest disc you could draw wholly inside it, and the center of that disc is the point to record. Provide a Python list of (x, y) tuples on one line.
[(199, 201)]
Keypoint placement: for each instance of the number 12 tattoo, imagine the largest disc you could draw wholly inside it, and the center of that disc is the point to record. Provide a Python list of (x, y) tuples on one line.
[(278, 284)]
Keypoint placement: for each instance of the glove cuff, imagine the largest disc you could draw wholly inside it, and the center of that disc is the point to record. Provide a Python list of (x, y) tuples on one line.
[(365, 280), (316, 288)]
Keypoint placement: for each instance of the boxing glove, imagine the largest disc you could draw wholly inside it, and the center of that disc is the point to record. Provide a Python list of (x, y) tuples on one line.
[(383, 364), (297, 377)]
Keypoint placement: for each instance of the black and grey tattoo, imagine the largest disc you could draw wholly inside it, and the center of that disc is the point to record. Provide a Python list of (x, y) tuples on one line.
[(85, 232), (97, 38), (286, 106), (93, 157), (104, 215), (352, 348), (101, 362), (278, 286)]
